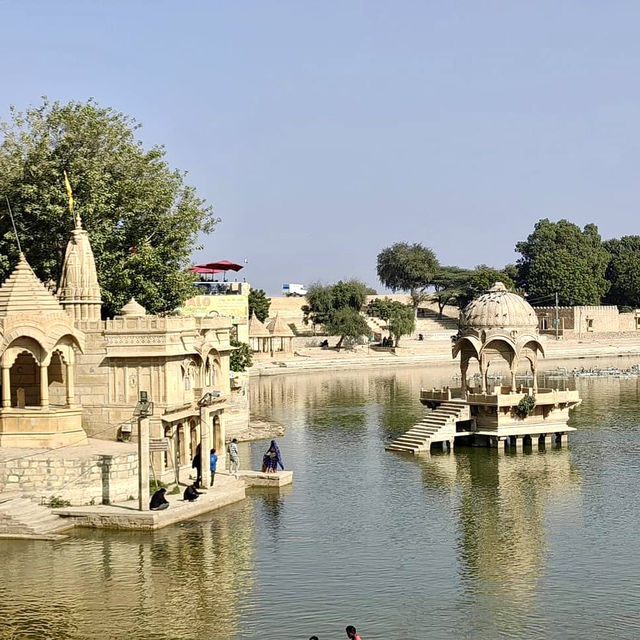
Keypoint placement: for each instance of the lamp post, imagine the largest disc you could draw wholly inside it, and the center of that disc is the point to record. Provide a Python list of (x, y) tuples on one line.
[(143, 410)]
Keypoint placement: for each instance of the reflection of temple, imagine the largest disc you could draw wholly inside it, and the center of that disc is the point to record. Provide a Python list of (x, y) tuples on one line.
[(498, 327), (503, 508), (67, 374), (182, 582)]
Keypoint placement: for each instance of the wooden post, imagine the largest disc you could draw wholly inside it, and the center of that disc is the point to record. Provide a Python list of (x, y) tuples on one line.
[(143, 463)]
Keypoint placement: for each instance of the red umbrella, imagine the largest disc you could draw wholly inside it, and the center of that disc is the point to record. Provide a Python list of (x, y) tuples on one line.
[(222, 265), (202, 269)]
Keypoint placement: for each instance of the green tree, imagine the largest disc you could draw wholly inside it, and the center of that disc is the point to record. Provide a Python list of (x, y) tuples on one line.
[(400, 318), (241, 358), (407, 267), (560, 257), (623, 271), (259, 304), (449, 285), (337, 307), (142, 218), (480, 280), (346, 323)]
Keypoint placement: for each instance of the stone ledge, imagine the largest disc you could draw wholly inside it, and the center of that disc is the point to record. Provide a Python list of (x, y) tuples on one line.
[(126, 516), (260, 479)]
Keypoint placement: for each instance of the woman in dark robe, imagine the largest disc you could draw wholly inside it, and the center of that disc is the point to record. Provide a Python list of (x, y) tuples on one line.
[(272, 459), (158, 501)]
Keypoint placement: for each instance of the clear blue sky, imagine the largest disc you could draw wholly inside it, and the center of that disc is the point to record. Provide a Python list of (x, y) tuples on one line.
[(324, 131)]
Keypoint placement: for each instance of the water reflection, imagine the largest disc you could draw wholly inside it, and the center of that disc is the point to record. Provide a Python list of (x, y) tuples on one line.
[(106, 585), (470, 545), (501, 511)]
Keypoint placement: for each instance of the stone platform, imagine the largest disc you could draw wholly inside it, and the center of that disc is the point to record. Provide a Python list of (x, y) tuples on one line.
[(125, 515), (258, 479)]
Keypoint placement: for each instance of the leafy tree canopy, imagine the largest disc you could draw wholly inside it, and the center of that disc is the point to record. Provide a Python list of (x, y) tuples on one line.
[(346, 323), (259, 304), (142, 218), (560, 257), (241, 358), (480, 280), (323, 299), (450, 284), (407, 267), (623, 271), (337, 307), (400, 318)]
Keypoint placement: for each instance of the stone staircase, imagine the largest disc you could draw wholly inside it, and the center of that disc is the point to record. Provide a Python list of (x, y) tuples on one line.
[(22, 518), (438, 425), (377, 326), (429, 321)]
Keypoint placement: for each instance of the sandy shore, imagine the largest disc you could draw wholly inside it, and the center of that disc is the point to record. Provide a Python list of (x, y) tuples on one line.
[(439, 353)]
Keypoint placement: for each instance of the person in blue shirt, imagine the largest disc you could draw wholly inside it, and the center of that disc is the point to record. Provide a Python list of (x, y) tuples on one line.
[(214, 464)]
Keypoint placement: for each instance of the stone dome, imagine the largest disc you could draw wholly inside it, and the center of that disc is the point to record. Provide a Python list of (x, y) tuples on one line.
[(499, 308), (133, 308)]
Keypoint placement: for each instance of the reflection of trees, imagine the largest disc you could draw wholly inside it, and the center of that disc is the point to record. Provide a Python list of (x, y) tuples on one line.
[(184, 581), (348, 395), (501, 524)]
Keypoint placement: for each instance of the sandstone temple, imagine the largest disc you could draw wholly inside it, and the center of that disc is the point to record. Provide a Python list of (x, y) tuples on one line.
[(71, 382)]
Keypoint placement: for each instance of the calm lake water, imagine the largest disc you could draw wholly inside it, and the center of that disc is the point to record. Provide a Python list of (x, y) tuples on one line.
[(469, 545)]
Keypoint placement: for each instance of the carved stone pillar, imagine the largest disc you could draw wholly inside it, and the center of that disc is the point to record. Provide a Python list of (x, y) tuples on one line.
[(70, 371), (464, 366), (205, 447), (44, 386), (6, 387)]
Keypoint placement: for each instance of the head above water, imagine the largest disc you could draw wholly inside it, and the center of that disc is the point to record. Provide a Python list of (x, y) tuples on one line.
[(351, 631), (313, 638)]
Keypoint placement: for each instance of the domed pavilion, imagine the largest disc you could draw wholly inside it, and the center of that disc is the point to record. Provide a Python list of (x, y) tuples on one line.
[(498, 327)]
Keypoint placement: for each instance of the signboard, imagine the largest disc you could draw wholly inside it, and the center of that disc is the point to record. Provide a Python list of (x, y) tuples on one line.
[(235, 305), (158, 444)]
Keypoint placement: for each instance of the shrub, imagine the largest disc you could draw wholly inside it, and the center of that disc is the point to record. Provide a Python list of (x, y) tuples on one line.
[(525, 407)]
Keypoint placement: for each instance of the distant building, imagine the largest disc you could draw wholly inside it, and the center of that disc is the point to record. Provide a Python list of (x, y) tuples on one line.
[(229, 299), (583, 320)]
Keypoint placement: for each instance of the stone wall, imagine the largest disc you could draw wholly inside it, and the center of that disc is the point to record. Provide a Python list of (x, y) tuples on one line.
[(586, 319), (79, 478)]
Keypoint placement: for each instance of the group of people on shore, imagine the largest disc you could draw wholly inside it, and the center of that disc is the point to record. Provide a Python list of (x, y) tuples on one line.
[(270, 462), (352, 634)]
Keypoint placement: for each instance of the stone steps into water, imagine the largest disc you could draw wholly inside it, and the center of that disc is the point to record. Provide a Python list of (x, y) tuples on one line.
[(436, 426), (22, 518)]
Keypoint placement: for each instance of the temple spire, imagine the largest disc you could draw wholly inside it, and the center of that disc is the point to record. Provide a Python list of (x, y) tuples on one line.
[(79, 291)]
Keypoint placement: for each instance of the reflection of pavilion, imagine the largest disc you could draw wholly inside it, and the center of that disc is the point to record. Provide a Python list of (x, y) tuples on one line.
[(498, 326), (502, 538)]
